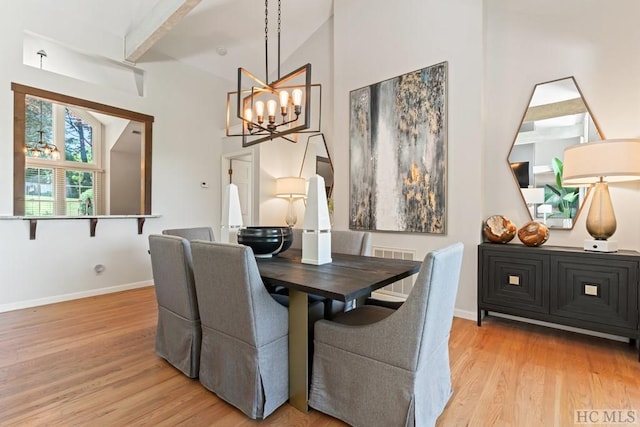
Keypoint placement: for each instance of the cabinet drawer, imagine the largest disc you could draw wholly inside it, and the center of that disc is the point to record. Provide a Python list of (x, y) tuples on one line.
[(515, 282), (595, 290)]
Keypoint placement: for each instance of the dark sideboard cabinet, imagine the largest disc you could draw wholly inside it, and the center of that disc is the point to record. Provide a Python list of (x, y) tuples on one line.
[(562, 285)]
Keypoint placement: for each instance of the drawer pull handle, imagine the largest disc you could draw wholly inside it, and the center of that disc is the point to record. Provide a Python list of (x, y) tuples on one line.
[(514, 280), (591, 290)]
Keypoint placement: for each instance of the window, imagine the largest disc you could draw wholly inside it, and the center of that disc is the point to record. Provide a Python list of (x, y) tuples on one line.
[(68, 185), (39, 199)]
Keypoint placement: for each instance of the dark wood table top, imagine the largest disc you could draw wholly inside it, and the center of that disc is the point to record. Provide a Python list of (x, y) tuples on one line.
[(346, 278)]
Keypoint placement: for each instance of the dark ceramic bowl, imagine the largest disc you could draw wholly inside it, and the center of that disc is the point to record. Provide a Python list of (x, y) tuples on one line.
[(266, 241)]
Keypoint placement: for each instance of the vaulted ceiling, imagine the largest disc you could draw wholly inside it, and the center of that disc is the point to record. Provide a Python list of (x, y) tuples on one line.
[(198, 31)]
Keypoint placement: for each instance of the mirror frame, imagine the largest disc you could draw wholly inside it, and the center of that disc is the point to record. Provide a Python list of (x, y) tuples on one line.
[(515, 138), (20, 93), (330, 160)]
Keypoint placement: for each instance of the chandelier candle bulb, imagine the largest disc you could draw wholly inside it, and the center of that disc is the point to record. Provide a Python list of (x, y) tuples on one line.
[(297, 97), (260, 111), (271, 110), (284, 102), (297, 100), (248, 115)]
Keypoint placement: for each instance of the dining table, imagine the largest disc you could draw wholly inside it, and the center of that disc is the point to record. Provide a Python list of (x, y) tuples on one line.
[(345, 278)]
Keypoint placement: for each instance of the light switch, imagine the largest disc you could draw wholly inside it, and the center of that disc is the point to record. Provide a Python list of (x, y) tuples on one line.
[(591, 290), (514, 280)]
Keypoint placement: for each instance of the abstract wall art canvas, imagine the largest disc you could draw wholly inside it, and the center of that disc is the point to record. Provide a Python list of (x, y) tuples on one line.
[(398, 153)]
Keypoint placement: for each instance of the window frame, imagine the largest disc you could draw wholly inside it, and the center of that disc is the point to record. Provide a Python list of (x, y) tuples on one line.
[(20, 93)]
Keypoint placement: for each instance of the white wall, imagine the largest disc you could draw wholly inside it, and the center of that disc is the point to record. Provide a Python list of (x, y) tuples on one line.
[(596, 41), (375, 40), (124, 184), (188, 106)]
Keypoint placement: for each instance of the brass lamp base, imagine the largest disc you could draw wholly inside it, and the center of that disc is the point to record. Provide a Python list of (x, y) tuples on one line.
[(601, 221)]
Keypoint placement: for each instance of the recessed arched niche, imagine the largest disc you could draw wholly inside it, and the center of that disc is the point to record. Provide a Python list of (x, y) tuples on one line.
[(556, 117)]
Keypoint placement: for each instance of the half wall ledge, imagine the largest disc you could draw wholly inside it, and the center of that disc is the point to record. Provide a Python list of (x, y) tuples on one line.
[(93, 221)]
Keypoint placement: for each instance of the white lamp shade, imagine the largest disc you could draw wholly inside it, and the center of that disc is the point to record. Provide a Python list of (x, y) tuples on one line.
[(231, 211), (316, 216), (290, 186), (533, 195), (613, 160)]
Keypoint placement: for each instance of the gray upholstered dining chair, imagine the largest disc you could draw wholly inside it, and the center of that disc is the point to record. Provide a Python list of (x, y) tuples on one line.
[(193, 233), (296, 234), (244, 358), (178, 333), (375, 366), (351, 242), (342, 241)]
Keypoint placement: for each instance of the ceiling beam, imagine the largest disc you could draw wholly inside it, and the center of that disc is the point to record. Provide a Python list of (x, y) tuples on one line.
[(160, 20), (555, 109)]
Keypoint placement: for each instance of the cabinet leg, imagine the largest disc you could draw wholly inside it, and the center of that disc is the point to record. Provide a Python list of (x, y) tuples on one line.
[(479, 317)]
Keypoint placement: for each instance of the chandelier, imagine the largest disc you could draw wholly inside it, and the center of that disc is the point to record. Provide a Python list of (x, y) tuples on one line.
[(42, 148), (272, 110)]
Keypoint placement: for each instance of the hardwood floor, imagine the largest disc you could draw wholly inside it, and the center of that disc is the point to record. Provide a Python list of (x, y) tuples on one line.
[(92, 362)]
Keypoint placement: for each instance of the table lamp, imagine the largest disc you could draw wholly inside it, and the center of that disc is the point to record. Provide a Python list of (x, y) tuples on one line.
[(598, 163), (545, 209), (291, 187), (532, 197), (231, 214)]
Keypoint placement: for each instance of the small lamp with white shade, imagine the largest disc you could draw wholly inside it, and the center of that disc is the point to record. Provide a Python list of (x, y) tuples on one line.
[(532, 197), (599, 163), (292, 188), (545, 209)]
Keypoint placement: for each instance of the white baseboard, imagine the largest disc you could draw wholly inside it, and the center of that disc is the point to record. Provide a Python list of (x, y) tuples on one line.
[(75, 295), (385, 295), (465, 314)]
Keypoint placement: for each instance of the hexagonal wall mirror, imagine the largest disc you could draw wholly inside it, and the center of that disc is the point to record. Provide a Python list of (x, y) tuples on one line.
[(556, 117)]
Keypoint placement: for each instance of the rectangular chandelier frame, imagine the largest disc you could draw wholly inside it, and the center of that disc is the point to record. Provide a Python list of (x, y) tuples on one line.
[(246, 95)]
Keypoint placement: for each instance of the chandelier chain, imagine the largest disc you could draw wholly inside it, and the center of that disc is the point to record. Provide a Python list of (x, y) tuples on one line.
[(41, 147), (279, 24), (266, 40)]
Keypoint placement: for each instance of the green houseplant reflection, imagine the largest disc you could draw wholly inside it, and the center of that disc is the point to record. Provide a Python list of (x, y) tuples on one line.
[(563, 199)]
